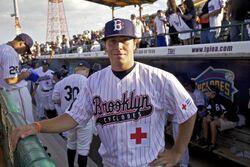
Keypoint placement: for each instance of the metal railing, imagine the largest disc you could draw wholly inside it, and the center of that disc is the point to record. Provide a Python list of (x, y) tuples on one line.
[(195, 33), (29, 151)]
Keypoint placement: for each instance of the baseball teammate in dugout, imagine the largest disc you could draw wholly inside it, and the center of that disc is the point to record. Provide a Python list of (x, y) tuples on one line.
[(129, 101), (64, 93), (12, 79)]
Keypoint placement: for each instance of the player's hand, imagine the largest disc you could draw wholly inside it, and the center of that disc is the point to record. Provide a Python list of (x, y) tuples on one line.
[(168, 158), (198, 20), (25, 74), (21, 132)]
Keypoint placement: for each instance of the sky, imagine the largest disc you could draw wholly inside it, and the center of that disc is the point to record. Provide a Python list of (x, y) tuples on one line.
[(81, 15)]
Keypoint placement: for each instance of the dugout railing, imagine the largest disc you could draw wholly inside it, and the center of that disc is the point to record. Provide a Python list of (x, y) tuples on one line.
[(29, 151)]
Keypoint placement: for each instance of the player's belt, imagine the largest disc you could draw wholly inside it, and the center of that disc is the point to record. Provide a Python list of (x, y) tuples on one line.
[(46, 90), (12, 89)]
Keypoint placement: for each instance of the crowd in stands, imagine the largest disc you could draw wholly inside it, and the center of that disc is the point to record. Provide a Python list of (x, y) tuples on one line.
[(86, 42), (182, 24)]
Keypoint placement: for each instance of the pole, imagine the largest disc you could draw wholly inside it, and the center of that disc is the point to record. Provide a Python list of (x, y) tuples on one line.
[(140, 11), (16, 15), (113, 12)]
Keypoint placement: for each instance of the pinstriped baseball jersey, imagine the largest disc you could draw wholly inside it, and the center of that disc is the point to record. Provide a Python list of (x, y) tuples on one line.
[(45, 79), (71, 86), (9, 67), (131, 113)]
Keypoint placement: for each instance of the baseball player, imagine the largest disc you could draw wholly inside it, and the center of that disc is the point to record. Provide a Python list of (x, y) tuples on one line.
[(129, 101), (64, 93), (11, 77), (57, 76), (32, 66), (44, 91), (200, 102)]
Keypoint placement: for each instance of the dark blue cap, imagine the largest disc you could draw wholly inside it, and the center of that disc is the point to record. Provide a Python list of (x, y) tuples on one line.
[(119, 27), (27, 40), (45, 62), (84, 64)]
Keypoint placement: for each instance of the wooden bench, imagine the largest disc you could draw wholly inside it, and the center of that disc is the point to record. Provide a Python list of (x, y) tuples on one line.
[(233, 144)]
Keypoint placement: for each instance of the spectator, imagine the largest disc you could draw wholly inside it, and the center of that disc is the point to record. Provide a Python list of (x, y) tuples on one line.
[(172, 8), (85, 45), (160, 28), (79, 49), (146, 38), (188, 14), (47, 48), (65, 44), (225, 30), (176, 20), (215, 16), (37, 50), (95, 46), (139, 28), (238, 13), (58, 45), (221, 116)]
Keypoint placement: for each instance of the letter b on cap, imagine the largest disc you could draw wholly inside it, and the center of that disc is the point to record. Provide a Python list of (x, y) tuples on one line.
[(118, 25)]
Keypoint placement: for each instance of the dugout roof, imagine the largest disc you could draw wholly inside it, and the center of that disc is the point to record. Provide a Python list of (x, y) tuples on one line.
[(116, 3)]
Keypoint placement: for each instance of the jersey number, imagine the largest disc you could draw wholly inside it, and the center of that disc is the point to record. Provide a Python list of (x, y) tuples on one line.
[(71, 92), (13, 70)]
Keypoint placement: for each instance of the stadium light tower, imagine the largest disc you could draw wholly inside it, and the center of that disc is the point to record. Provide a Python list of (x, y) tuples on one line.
[(56, 21), (16, 15)]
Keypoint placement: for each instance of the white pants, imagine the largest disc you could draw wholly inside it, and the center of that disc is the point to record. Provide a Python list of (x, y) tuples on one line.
[(108, 165), (185, 157), (43, 101), (39, 104), (80, 138), (22, 99), (46, 100)]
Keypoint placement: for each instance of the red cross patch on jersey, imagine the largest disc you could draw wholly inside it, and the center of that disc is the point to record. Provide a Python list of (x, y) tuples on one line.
[(185, 105), (138, 135)]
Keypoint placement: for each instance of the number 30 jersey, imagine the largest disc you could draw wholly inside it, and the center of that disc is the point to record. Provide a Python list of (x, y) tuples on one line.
[(67, 89)]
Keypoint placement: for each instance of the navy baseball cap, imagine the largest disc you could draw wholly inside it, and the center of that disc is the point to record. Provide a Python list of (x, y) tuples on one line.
[(58, 74), (45, 62), (84, 64), (119, 27), (27, 40)]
